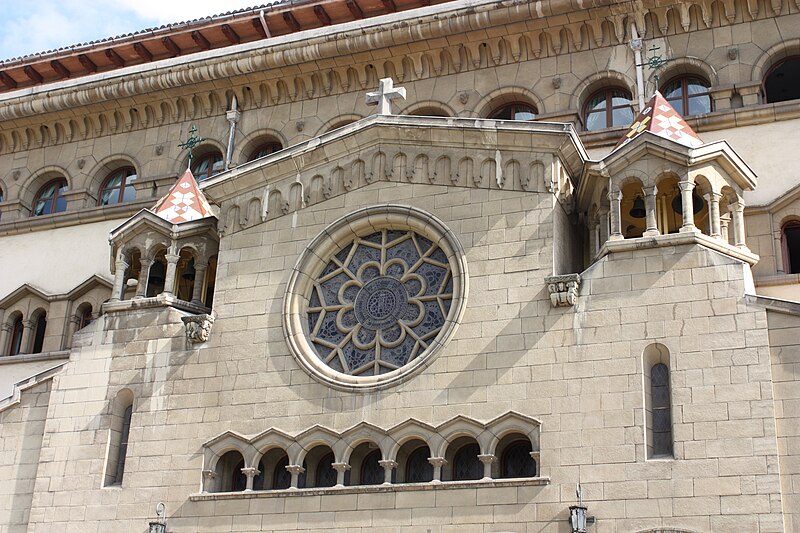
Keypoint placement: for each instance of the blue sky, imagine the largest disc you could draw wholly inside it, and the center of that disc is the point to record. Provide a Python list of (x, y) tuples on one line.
[(56, 23)]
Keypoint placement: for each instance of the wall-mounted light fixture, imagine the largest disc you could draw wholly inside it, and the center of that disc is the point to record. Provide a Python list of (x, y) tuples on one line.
[(578, 517), (160, 525)]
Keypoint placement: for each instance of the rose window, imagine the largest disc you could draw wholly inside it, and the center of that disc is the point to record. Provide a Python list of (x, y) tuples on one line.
[(379, 302)]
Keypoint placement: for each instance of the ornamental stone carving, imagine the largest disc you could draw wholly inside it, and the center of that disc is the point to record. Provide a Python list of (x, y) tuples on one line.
[(563, 289), (198, 327)]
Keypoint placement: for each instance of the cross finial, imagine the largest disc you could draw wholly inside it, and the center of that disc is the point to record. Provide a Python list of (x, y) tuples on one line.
[(384, 95), (191, 142)]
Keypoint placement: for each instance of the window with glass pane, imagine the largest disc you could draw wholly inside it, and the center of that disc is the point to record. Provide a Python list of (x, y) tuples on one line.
[(17, 329), (371, 471), (517, 111), (608, 108), (118, 187), (123, 445), (688, 95), (516, 460), (662, 417), (466, 464), (418, 468), (791, 247), (782, 83), (50, 198), (39, 332), (207, 166), (239, 481), (265, 150), (326, 475), (281, 478)]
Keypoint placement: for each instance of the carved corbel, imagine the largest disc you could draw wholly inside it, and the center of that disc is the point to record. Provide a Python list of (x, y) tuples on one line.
[(198, 327), (563, 289)]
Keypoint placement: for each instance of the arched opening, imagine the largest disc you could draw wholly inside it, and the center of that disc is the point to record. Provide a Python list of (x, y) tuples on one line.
[(230, 477), (319, 472), (790, 244), (689, 95), (84, 315), (50, 198), (462, 460), (117, 187), (118, 437), (264, 149), (515, 460), (413, 464), (657, 401), (515, 111), (185, 275), (366, 470), (782, 82), (132, 274), (340, 124), (39, 330), (429, 111), (157, 275), (211, 276), (274, 475), (633, 214), (608, 108), (17, 330), (208, 164)]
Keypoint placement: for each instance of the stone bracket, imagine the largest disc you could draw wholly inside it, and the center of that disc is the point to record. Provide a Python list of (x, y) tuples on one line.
[(198, 327), (563, 289)]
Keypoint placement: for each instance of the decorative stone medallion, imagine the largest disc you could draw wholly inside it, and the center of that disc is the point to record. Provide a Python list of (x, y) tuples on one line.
[(374, 297)]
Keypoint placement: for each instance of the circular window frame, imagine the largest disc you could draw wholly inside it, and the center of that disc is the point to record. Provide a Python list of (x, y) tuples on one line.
[(333, 239)]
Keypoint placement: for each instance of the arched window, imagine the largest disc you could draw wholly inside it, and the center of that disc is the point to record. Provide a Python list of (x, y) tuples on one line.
[(39, 332), (516, 460), (325, 474), (661, 412), (118, 187), (85, 316), (119, 431), (689, 95), (281, 478), (790, 237), (123, 444), (782, 82), (418, 468), (466, 464), (608, 107), (17, 328), (265, 150), (50, 198), (515, 111), (1, 195), (372, 472), (207, 165)]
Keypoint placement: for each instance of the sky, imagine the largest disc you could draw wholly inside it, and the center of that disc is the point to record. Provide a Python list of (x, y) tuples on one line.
[(56, 23)]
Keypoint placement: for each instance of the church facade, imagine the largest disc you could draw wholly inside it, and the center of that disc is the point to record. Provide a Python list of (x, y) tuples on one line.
[(396, 266)]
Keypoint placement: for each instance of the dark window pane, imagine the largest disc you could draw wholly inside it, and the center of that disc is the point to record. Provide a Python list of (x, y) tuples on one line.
[(660, 397), (783, 81), (326, 475), (41, 327), (515, 112), (661, 420), (123, 444), (792, 237), (466, 464), (372, 472), (659, 375), (239, 482), (662, 443), (282, 479), (418, 469), (517, 461)]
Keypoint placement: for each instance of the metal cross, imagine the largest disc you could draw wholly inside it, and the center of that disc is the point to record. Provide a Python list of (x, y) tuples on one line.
[(384, 95), (655, 61), (191, 142)]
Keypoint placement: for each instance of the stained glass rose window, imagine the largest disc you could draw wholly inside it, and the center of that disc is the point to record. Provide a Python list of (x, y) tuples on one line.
[(375, 296)]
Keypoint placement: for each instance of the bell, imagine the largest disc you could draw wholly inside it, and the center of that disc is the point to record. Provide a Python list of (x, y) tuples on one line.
[(637, 211), (157, 275), (188, 274), (697, 203)]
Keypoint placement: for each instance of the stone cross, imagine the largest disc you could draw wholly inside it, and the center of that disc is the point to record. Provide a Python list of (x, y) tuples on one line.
[(384, 95)]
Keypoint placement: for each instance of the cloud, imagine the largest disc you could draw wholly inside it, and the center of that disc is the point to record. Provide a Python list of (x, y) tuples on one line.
[(59, 23)]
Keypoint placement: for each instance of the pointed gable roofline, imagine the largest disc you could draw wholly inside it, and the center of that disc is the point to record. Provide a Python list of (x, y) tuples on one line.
[(184, 202), (660, 118)]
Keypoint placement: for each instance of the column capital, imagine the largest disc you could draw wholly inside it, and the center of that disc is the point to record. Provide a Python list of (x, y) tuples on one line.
[(340, 467), (209, 474), (712, 195), (295, 470), (737, 206), (250, 471), (487, 458), (5, 326), (121, 263), (74, 319), (437, 461), (172, 258), (686, 185), (27, 324)]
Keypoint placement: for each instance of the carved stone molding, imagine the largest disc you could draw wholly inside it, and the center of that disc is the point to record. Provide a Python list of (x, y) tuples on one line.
[(563, 289), (198, 327)]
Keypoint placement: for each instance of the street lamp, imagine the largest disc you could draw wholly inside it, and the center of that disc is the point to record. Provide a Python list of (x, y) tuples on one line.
[(577, 514), (160, 525)]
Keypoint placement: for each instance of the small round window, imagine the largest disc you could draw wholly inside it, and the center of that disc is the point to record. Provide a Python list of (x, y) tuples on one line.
[(374, 297)]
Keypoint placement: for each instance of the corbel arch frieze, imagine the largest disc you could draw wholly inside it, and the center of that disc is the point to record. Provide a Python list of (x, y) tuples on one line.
[(511, 423), (361, 433)]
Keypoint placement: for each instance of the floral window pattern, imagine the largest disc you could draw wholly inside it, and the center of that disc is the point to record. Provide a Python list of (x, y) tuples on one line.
[(379, 302)]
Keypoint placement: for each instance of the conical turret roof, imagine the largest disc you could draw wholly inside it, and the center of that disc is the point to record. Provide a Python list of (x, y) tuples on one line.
[(660, 118), (184, 202)]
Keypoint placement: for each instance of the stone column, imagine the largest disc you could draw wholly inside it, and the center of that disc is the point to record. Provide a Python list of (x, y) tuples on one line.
[(737, 217), (713, 213), (295, 471), (650, 210), (169, 277), (603, 225), (723, 228), (144, 273), (119, 280), (74, 320), (341, 470), (5, 331), (487, 459), (199, 277), (593, 238), (438, 463), (615, 197), (27, 330), (208, 479), (251, 472), (687, 206), (388, 466)]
